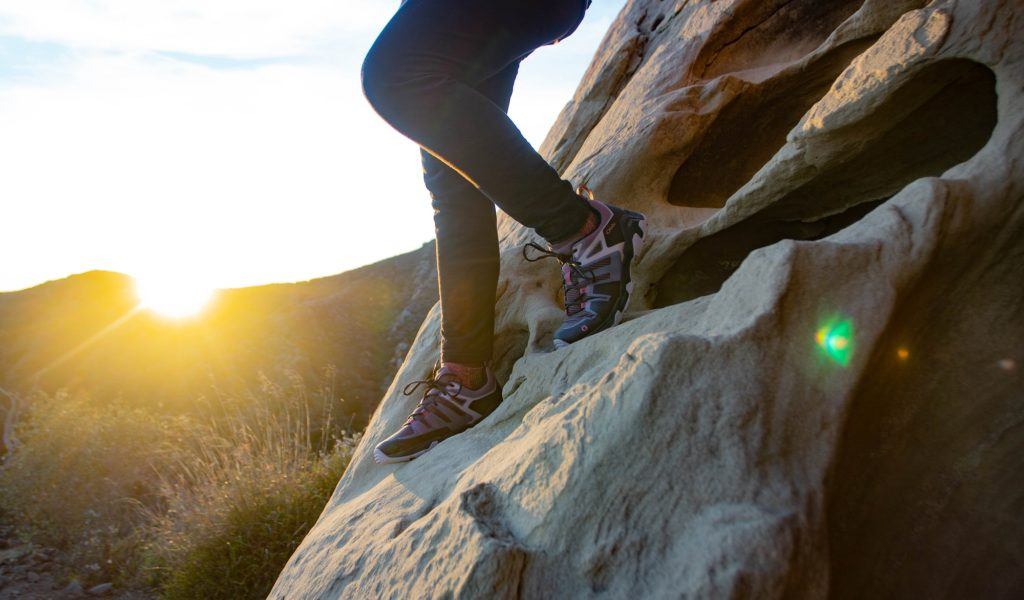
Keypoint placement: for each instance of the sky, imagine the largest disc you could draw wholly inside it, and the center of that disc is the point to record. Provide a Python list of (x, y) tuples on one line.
[(223, 141)]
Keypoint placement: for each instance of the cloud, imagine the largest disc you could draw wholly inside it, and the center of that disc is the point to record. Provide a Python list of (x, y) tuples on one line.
[(234, 28), (275, 173)]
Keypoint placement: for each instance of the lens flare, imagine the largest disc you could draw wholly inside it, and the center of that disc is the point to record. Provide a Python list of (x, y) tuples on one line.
[(835, 339)]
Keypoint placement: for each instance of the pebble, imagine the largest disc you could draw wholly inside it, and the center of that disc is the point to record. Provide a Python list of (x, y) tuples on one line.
[(101, 589), (32, 577), (73, 589)]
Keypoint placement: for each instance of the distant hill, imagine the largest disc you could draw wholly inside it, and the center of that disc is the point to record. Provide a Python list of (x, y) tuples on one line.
[(60, 334)]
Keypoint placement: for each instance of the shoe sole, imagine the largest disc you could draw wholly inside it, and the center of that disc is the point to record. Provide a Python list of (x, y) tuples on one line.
[(637, 243), (383, 459)]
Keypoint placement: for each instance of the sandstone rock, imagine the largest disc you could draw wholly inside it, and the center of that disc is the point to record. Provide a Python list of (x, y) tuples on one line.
[(821, 392)]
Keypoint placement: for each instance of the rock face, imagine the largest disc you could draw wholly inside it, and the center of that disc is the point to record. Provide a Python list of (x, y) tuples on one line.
[(822, 393)]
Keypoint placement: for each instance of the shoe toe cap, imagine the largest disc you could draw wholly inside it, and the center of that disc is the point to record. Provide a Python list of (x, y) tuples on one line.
[(389, 448)]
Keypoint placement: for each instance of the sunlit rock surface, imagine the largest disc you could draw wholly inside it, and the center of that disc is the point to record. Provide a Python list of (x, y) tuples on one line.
[(820, 394)]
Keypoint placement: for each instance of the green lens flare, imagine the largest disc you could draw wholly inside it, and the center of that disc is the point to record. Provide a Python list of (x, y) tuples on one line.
[(836, 340)]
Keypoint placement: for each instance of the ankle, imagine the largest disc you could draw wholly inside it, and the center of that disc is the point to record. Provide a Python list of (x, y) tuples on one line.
[(471, 377)]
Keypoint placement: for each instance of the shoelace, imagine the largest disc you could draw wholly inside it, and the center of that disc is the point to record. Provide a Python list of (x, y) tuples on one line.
[(574, 297), (433, 384)]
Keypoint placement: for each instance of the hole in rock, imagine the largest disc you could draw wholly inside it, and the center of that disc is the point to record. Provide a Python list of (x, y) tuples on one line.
[(705, 266), (770, 33), (752, 128), (943, 116), (939, 118)]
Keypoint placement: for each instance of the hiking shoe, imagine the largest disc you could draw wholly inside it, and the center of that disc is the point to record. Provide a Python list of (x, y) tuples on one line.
[(596, 274), (446, 408)]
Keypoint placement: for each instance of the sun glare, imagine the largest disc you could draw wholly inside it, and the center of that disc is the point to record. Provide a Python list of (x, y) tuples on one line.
[(171, 297)]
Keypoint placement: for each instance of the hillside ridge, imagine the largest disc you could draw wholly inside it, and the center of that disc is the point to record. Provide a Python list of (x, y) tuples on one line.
[(58, 335)]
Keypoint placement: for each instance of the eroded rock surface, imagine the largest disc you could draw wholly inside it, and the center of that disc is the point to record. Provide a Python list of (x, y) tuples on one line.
[(820, 394)]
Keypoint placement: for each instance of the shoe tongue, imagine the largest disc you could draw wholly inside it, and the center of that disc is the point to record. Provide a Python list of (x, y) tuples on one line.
[(445, 376), (566, 248)]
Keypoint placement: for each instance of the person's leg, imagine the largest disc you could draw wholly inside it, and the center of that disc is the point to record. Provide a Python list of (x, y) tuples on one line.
[(467, 253), (420, 76), (467, 268)]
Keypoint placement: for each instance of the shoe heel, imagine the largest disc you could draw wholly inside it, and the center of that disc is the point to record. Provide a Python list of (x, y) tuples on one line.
[(638, 230)]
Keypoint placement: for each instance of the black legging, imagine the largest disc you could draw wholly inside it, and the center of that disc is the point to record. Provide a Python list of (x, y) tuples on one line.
[(442, 73)]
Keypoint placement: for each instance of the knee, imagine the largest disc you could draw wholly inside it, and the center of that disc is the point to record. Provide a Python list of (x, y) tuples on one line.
[(388, 85), (398, 89), (374, 76)]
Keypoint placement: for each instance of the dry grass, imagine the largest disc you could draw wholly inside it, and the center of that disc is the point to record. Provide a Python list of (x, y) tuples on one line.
[(208, 504)]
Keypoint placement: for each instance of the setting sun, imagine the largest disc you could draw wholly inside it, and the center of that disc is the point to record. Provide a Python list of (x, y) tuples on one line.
[(172, 297)]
